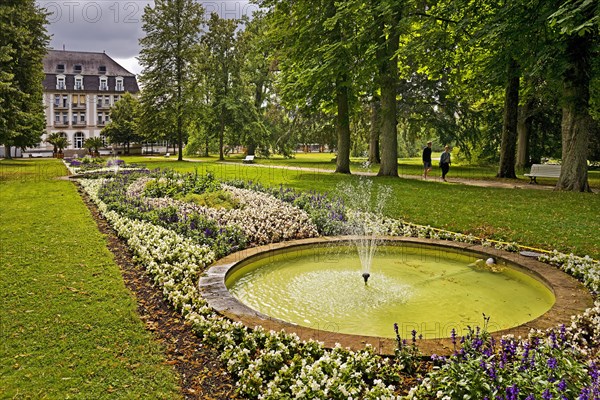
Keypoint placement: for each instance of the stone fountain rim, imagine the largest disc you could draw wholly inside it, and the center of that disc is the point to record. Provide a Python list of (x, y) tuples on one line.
[(571, 296)]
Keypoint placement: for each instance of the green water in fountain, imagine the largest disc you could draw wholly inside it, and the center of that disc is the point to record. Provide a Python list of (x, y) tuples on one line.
[(427, 289)]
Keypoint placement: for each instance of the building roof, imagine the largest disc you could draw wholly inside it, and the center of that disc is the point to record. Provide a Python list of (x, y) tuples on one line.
[(90, 63), (91, 66)]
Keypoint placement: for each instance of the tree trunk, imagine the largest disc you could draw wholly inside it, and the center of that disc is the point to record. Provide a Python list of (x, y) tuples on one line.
[(374, 157), (388, 78), (206, 145), (7, 149), (222, 133), (575, 115), (509, 125), (343, 127), (523, 130)]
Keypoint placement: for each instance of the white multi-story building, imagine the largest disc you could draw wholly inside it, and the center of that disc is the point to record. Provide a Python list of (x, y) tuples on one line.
[(79, 90)]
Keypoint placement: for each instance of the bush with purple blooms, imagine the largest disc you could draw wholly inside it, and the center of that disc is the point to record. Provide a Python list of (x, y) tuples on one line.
[(115, 162), (222, 239), (545, 366)]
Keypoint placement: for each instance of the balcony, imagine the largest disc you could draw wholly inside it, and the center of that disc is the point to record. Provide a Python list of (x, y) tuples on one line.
[(103, 88), (61, 105), (61, 124), (78, 87), (61, 86), (79, 123)]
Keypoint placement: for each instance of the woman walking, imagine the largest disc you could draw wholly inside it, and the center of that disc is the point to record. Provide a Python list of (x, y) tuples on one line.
[(445, 162)]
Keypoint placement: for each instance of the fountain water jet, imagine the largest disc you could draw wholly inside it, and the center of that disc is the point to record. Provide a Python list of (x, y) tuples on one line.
[(366, 209)]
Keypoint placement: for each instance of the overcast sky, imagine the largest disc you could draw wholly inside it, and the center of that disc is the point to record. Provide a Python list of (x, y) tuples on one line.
[(113, 26)]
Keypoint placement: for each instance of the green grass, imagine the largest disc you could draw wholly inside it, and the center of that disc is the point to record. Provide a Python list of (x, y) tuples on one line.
[(565, 221), (406, 166), (68, 324)]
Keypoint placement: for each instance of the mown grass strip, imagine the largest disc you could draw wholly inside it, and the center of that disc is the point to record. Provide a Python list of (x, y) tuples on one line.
[(69, 327)]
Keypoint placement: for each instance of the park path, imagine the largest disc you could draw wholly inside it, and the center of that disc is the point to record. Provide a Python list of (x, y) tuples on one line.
[(509, 184)]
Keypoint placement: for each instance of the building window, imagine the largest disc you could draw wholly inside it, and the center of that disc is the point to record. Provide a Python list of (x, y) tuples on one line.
[(119, 85), (60, 82), (82, 118), (77, 68), (102, 69), (60, 67), (78, 139), (116, 98), (100, 118), (106, 101), (57, 100), (65, 101), (103, 83), (78, 83), (61, 118)]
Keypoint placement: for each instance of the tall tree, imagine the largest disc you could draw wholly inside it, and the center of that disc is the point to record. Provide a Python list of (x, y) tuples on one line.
[(579, 24), (172, 28), (258, 73), (509, 123), (387, 19), (123, 125), (317, 60), (223, 67), (23, 42)]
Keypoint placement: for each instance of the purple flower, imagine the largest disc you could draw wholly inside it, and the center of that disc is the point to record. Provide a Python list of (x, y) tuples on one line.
[(512, 393), (552, 363), (562, 385), (547, 395)]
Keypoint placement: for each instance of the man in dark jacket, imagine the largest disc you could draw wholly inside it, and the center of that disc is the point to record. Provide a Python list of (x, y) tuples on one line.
[(426, 160)]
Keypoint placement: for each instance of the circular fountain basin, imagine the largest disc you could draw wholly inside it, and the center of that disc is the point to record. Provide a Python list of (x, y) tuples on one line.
[(315, 288)]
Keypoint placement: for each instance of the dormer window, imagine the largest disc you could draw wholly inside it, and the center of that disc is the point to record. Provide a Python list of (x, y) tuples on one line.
[(77, 68), (102, 69), (60, 82), (79, 82), (103, 83), (60, 68), (119, 84)]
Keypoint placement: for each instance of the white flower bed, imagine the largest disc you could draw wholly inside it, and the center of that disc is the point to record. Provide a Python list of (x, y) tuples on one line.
[(275, 364), (259, 359), (262, 218)]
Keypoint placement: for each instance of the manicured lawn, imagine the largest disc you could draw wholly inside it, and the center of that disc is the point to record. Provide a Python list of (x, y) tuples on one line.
[(565, 221), (406, 166), (69, 327)]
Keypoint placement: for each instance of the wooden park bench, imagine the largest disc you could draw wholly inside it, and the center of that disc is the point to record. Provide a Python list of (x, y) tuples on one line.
[(543, 171), (248, 160)]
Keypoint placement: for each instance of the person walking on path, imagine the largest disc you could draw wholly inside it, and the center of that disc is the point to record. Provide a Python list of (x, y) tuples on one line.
[(445, 162), (426, 159)]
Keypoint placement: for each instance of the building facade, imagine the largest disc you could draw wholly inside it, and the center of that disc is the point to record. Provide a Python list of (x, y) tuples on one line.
[(79, 90)]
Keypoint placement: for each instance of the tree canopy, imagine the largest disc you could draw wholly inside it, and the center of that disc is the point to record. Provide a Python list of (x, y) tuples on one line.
[(23, 41), (507, 83)]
